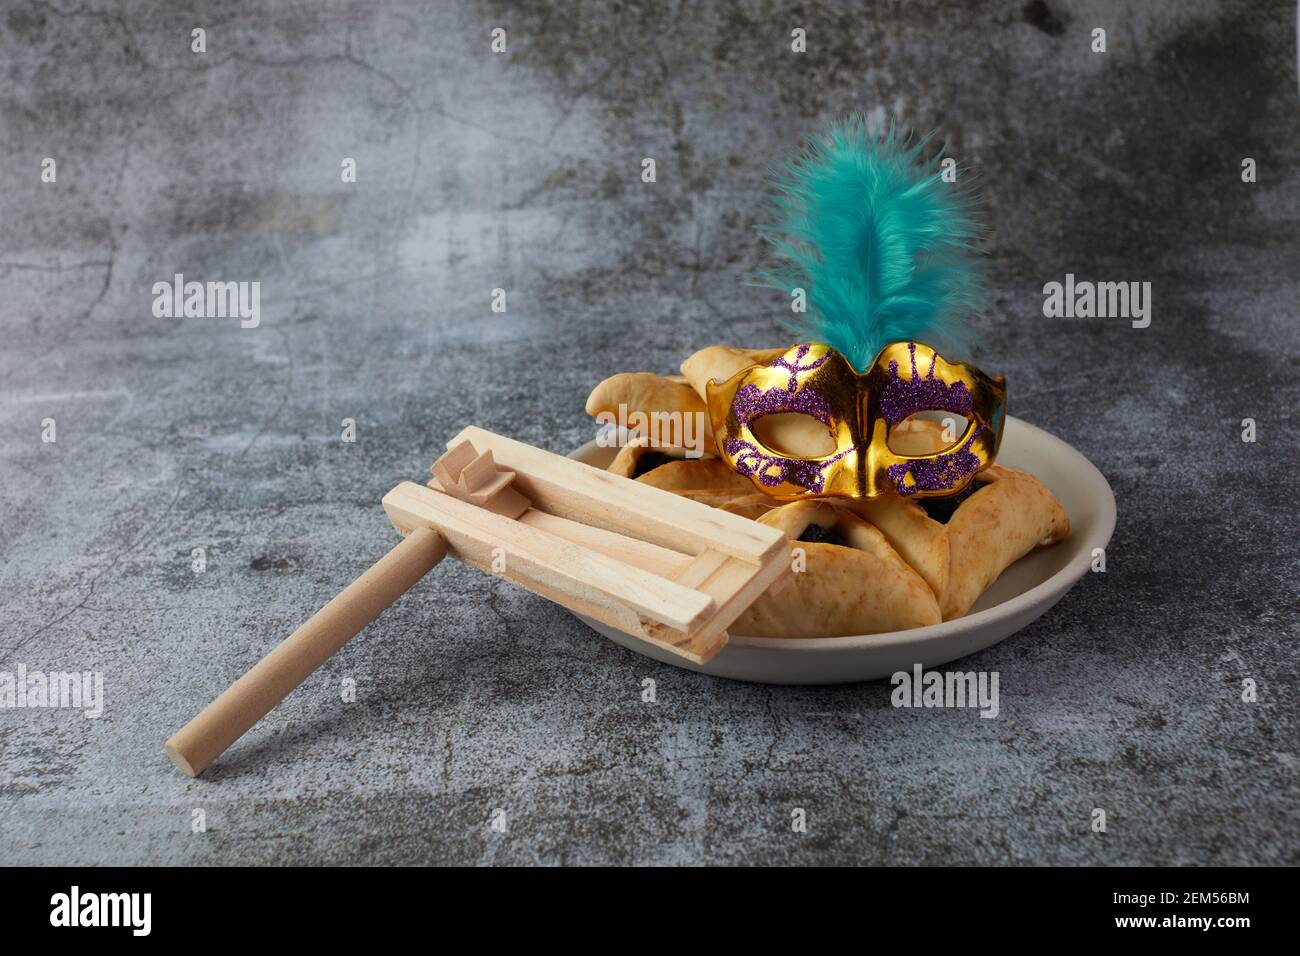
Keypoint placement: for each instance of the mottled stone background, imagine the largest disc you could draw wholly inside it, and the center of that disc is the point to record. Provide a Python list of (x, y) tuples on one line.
[(522, 171)]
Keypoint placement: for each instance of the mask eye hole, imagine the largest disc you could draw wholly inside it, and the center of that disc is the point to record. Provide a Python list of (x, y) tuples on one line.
[(794, 435), (927, 433)]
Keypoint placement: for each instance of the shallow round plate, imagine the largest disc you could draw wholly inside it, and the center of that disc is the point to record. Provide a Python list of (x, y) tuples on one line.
[(1023, 592)]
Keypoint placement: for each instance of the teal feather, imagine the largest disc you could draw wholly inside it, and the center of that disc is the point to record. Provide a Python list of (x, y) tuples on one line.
[(885, 250)]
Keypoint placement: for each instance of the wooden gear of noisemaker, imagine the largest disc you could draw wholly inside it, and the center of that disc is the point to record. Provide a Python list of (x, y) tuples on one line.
[(652, 564)]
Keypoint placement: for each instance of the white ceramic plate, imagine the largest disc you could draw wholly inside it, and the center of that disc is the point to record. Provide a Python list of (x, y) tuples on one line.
[(1024, 591)]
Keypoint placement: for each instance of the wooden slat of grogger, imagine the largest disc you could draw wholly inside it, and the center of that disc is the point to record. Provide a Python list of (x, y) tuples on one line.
[(534, 555), (700, 647), (734, 585), (734, 589), (648, 557), (570, 489), (704, 566)]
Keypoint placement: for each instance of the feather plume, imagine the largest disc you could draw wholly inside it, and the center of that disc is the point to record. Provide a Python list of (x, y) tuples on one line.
[(884, 249)]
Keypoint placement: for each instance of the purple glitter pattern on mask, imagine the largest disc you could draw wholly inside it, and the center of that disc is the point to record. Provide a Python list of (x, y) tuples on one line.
[(904, 397), (750, 404), (796, 368), (752, 461), (940, 473)]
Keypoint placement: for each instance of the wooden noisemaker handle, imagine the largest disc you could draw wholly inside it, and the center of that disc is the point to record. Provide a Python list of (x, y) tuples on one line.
[(248, 700)]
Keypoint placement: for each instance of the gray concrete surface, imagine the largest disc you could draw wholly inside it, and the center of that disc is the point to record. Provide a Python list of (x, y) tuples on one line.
[(521, 171)]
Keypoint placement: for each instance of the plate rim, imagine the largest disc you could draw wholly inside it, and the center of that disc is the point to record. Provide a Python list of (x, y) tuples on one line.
[(1042, 595)]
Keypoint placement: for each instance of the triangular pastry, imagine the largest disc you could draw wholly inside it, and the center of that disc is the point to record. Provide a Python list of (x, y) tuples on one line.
[(848, 580)]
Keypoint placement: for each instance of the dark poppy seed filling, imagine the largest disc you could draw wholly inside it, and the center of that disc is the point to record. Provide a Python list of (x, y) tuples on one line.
[(649, 462), (816, 534), (942, 509)]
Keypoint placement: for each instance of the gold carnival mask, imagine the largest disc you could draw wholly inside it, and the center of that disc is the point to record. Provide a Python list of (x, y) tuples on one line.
[(859, 410)]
